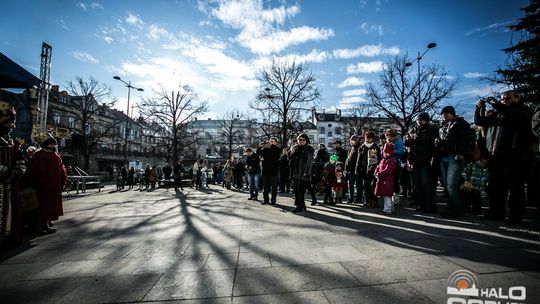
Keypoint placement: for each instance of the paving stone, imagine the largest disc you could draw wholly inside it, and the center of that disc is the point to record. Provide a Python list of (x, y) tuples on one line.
[(312, 297), (297, 256), (40, 291), (191, 285), (378, 294), (255, 281), (111, 289), (400, 269)]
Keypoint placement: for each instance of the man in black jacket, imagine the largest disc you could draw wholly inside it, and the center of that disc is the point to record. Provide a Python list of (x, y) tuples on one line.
[(421, 142), (508, 141), (452, 148), (269, 153)]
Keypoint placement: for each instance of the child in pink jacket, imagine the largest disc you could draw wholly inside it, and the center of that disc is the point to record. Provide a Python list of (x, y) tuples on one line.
[(385, 180)]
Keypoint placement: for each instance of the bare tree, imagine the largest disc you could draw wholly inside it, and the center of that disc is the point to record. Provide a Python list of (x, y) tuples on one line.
[(173, 111), (401, 97), (360, 119), (287, 90), (233, 131), (90, 100)]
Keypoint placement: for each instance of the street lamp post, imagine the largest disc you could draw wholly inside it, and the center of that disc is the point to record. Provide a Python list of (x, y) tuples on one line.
[(418, 58), (129, 86)]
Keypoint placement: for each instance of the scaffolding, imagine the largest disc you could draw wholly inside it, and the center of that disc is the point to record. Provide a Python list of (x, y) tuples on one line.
[(44, 86)]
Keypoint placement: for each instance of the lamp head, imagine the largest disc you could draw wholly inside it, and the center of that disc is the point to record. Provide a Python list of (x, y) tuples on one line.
[(117, 77), (140, 90), (431, 45)]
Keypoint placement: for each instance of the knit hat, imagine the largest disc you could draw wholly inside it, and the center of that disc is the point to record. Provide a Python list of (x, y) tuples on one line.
[(354, 137), (334, 158), (369, 134), (449, 110), (424, 116)]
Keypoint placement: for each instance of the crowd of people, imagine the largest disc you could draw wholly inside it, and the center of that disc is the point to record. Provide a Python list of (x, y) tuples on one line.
[(31, 182), (493, 161), (469, 164)]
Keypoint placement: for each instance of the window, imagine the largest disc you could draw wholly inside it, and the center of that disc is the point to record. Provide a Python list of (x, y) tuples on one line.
[(71, 122), (56, 118), (338, 130), (322, 141), (330, 134), (329, 125), (321, 130), (311, 138)]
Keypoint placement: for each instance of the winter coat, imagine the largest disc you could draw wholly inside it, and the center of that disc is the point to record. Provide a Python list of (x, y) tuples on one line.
[(385, 179), (509, 129), (329, 174), (253, 164), (423, 146), (228, 174), (301, 159), (320, 158), (368, 159), (284, 168), (352, 160), (454, 138), (399, 149), (270, 160)]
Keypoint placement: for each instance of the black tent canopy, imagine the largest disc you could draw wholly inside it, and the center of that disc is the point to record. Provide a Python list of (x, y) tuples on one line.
[(13, 75)]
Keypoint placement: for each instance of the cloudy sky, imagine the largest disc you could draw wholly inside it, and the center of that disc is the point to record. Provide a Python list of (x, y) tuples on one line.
[(217, 47)]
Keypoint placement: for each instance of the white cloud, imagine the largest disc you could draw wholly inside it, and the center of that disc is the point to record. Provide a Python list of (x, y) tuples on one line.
[(313, 56), (95, 5), (491, 27), (367, 29), (369, 50), (479, 91), (474, 75), (259, 28), (85, 57), (155, 32), (278, 41), (108, 39), (365, 67), (356, 92), (86, 7), (352, 81), (354, 99), (134, 20)]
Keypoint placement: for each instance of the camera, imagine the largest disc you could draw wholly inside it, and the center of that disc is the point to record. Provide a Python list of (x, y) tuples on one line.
[(490, 100)]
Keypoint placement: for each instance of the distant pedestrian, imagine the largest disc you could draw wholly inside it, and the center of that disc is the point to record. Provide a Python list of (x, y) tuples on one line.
[(301, 156), (131, 177)]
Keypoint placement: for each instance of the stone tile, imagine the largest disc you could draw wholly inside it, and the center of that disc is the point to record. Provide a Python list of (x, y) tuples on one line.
[(91, 268), (160, 264), (434, 290), (253, 281), (495, 260), (226, 300), (111, 289), (254, 260), (400, 269), (315, 255), (221, 261), (15, 272), (311, 297), (377, 294), (40, 291), (191, 285)]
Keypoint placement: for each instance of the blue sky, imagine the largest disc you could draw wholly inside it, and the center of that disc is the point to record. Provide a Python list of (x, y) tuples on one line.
[(217, 47)]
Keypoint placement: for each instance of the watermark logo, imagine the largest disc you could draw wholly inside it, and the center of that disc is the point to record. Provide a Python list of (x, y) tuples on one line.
[(464, 288), (463, 283)]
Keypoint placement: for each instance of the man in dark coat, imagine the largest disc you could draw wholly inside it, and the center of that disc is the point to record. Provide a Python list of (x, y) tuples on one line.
[(421, 142), (301, 156), (270, 167), (508, 141), (354, 175), (452, 146)]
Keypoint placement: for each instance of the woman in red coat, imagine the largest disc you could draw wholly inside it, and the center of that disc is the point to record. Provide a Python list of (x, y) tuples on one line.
[(385, 179), (49, 177)]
